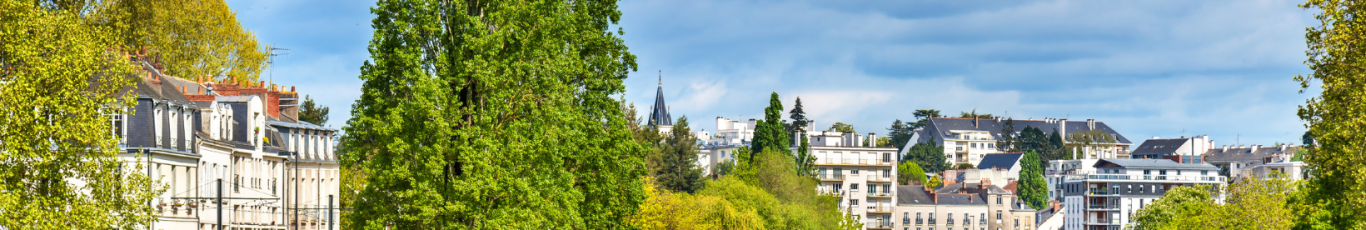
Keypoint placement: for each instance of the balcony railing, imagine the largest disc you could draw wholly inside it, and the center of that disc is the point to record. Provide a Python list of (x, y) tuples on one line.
[(878, 224), (879, 208), (879, 178), (1101, 221), (832, 177), (1146, 177), (1102, 192), (1102, 206)]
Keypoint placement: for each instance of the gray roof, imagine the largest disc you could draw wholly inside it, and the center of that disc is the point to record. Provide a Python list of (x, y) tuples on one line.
[(1162, 147), (916, 195), (940, 126), (999, 160), (1246, 154), (1152, 164), (298, 125), (993, 189)]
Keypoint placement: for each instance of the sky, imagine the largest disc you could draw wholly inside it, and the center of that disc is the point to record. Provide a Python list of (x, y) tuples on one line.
[(1145, 68)]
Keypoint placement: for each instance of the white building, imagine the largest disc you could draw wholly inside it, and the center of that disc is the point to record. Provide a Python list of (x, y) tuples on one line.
[(863, 177), (1108, 197), (966, 140), (1256, 161)]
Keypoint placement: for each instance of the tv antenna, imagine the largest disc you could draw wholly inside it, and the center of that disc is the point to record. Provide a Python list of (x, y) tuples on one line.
[(271, 62)]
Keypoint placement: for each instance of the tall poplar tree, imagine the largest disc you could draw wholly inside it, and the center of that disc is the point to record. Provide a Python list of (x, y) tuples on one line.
[(770, 133), (60, 84), (1033, 188), (1335, 117), (481, 115)]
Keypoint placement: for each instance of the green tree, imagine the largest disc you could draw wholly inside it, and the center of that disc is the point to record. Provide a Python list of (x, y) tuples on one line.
[(769, 133), (677, 170), (798, 116), (909, 171), (1185, 207), (187, 38), (964, 165), (794, 204), (934, 183), (974, 114), (842, 127), (1032, 188), (1334, 117), (1008, 141), (1093, 139), (62, 81), (883, 142), (899, 134), (312, 112), (724, 168), (494, 115), (923, 116), (1248, 204), (806, 163), (928, 155)]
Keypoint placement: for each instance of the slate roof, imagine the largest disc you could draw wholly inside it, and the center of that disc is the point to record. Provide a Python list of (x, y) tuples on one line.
[(1160, 147), (999, 160), (1246, 154), (1152, 164), (916, 195), (940, 126), (659, 112), (961, 199)]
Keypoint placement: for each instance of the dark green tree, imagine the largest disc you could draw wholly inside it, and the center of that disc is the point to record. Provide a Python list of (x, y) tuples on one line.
[(494, 115), (770, 133), (1033, 139), (798, 116), (806, 163), (1055, 140), (677, 170), (964, 165), (929, 155), (900, 133), (923, 116), (1008, 141), (1033, 189), (312, 112), (974, 114)]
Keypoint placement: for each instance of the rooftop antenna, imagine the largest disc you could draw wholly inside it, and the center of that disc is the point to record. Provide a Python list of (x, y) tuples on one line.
[(661, 78), (271, 62)]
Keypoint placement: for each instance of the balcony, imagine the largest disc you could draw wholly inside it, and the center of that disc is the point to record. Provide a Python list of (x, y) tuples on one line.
[(876, 178), (879, 208), (1101, 221), (881, 194), (1102, 192), (834, 177), (878, 224), (1154, 178), (1103, 206)]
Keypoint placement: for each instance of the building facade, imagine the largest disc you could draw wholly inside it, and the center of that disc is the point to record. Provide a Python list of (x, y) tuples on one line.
[(966, 140), (863, 177), (1108, 197)]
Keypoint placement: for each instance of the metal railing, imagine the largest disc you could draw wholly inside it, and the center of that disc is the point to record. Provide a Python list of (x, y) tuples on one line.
[(878, 224), (1146, 177), (879, 208), (832, 177)]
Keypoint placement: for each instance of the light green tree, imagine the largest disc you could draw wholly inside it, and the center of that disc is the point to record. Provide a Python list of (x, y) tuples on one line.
[(842, 127), (908, 171), (1248, 204), (61, 81), (1335, 117), (188, 38), (488, 115), (1185, 207)]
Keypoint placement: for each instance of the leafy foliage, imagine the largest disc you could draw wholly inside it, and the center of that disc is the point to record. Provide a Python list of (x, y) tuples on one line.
[(769, 133), (806, 162), (935, 182), (964, 166), (1186, 207), (312, 112), (974, 114), (494, 115), (1249, 204), (923, 116), (883, 142), (189, 38), (909, 172), (1032, 188), (842, 127), (1335, 117), (61, 81), (899, 134), (929, 155), (1008, 141), (677, 168), (798, 116)]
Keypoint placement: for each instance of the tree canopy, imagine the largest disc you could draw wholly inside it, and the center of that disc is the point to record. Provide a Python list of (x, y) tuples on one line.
[(1335, 117), (842, 127), (1032, 188), (928, 155), (62, 81), (909, 172), (900, 133), (312, 112), (923, 116), (798, 116), (494, 115), (769, 133), (677, 168)]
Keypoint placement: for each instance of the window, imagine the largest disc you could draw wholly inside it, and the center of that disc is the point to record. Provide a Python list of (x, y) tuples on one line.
[(822, 172), (853, 202), (983, 219), (1162, 172), (853, 186), (1147, 172), (1204, 172), (931, 218), (906, 218), (948, 219), (853, 171), (998, 216), (998, 199), (965, 219), (1017, 222), (917, 218)]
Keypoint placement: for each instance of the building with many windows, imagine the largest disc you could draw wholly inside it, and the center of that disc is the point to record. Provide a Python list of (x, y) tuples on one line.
[(863, 177), (966, 140), (1108, 197)]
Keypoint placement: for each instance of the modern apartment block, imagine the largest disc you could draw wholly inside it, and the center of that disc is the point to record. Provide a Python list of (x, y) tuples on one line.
[(720, 147), (966, 140), (276, 172), (1108, 197), (863, 177), (1256, 161), (1183, 149)]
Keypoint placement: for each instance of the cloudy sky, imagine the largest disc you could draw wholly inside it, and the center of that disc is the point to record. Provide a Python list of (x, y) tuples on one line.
[(1147, 68)]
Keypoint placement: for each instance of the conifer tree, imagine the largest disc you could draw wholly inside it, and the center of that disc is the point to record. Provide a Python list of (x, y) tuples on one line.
[(798, 116), (494, 115), (770, 133), (678, 169)]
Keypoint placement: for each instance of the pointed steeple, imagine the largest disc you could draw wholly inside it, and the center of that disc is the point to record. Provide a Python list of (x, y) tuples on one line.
[(659, 113)]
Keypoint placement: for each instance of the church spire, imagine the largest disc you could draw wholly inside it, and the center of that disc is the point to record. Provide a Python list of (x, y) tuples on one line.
[(659, 115)]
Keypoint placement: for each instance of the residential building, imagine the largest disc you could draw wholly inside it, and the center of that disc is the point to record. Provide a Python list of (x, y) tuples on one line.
[(1057, 172), (920, 208), (730, 135), (208, 139), (1256, 161), (1001, 168), (1108, 197), (863, 177), (966, 140), (1184, 150)]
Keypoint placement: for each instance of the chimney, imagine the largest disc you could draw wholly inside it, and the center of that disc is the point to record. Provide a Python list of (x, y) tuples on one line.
[(1091, 124), (970, 199), (872, 139), (1225, 148), (291, 89), (1062, 128), (1282, 147), (201, 90), (975, 122), (1254, 148)]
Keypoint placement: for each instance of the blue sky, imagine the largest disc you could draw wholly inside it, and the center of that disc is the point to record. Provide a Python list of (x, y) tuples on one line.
[(1146, 68)]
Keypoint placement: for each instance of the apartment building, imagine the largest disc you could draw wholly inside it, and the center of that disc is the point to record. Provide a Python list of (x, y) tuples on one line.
[(863, 177), (1108, 197), (1184, 150), (208, 139), (920, 208), (730, 135), (966, 140), (1256, 161)]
